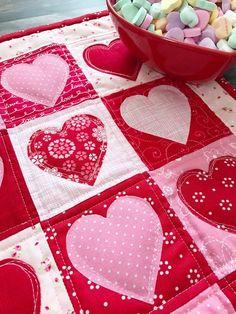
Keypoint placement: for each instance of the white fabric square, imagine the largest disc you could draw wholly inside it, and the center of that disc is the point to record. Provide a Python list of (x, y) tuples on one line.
[(52, 194)]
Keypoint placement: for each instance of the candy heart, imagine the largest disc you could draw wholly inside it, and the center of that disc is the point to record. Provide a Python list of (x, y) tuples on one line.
[(75, 152), (232, 40), (122, 251), (192, 32), (19, 289), (41, 82), (125, 64), (210, 33), (211, 195), (1, 171), (207, 42), (170, 5), (225, 5), (223, 27), (175, 33), (165, 113), (188, 16), (203, 18), (205, 5), (173, 20), (156, 11), (222, 44), (129, 11)]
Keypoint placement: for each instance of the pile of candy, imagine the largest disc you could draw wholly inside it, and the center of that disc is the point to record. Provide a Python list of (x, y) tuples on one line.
[(207, 23)]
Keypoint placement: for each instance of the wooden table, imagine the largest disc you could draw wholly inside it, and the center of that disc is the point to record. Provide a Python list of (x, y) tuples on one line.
[(22, 14)]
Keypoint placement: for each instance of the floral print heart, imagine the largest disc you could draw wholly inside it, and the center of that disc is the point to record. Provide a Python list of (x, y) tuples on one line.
[(75, 152), (211, 195), (122, 251)]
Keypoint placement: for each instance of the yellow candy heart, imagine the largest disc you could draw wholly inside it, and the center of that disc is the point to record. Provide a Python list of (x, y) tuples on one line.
[(159, 32), (192, 2), (168, 6), (161, 24), (213, 16), (233, 5), (223, 27)]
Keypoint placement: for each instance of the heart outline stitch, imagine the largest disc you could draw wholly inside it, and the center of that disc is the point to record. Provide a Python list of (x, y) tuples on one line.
[(46, 98), (136, 207), (117, 42), (185, 177)]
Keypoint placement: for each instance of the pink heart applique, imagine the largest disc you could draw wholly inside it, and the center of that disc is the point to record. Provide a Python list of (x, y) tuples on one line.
[(74, 152), (122, 251), (41, 82), (211, 195), (19, 289), (165, 113), (113, 59), (1, 171)]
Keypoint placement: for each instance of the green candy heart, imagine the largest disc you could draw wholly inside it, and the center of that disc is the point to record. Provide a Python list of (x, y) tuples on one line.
[(206, 5), (139, 17), (120, 3), (232, 40), (188, 16), (156, 11), (129, 11), (142, 3)]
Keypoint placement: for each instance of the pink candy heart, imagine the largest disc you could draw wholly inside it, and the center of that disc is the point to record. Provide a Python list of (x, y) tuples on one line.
[(122, 251), (41, 82), (203, 17)]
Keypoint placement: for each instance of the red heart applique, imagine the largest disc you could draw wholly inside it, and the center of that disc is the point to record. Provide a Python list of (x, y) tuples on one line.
[(74, 152), (19, 289), (212, 195), (114, 59)]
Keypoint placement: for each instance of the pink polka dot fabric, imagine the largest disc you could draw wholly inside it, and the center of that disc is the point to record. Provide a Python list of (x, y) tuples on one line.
[(42, 81), (122, 251)]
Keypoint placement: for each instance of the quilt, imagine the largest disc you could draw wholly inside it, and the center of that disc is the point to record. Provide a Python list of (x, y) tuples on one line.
[(117, 184)]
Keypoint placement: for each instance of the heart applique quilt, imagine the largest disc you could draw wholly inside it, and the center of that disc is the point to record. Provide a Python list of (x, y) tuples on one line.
[(117, 184)]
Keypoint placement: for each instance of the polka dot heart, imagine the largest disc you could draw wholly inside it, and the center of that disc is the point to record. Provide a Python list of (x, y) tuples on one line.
[(211, 195), (74, 153), (42, 81), (122, 251)]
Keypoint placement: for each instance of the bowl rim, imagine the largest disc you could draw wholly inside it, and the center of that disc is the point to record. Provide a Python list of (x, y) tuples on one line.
[(146, 33)]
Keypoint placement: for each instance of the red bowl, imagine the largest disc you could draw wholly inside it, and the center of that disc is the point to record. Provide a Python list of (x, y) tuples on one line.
[(178, 60)]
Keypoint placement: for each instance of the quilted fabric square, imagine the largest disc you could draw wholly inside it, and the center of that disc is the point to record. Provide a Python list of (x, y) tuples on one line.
[(40, 82), (164, 120), (72, 155)]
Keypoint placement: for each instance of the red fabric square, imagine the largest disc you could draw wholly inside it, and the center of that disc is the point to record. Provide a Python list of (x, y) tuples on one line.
[(154, 150), (17, 210), (21, 101), (179, 256)]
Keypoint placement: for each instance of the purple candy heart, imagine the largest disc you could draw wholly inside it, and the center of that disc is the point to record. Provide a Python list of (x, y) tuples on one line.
[(225, 5), (175, 33), (173, 20), (209, 32)]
